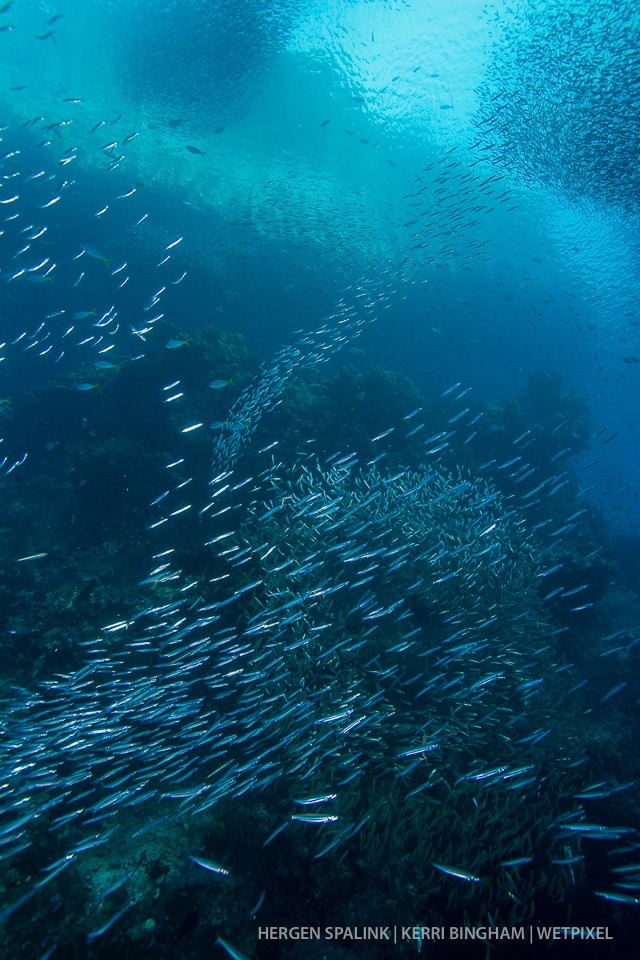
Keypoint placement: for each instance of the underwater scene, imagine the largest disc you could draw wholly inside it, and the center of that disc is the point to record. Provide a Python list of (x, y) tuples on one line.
[(319, 479)]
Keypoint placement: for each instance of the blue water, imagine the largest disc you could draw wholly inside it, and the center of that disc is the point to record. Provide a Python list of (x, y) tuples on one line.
[(319, 444)]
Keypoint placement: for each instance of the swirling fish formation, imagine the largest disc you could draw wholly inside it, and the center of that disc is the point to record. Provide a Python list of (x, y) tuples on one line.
[(338, 657)]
